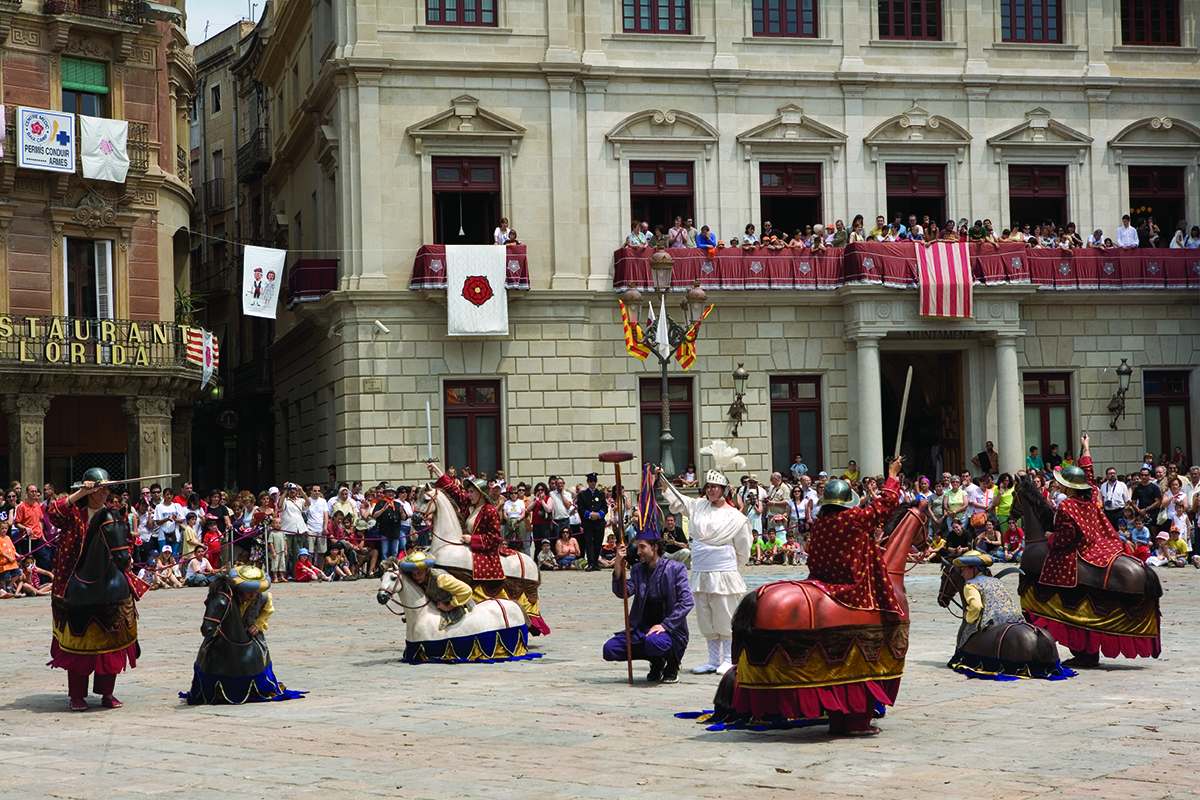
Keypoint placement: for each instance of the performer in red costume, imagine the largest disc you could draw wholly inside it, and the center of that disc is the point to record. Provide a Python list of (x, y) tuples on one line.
[(842, 553), (483, 521), (94, 617), (1080, 527)]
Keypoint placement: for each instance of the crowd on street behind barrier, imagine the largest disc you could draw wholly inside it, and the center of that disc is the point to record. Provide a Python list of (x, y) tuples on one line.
[(343, 531)]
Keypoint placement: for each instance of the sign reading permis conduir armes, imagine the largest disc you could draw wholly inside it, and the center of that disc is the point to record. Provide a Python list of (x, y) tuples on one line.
[(45, 140)]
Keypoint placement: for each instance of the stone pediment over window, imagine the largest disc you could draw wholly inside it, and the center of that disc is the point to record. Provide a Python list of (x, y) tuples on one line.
[(791, 133), (918, 127), (468, 125), (1158, 135), (672, 128), (1040, 133)]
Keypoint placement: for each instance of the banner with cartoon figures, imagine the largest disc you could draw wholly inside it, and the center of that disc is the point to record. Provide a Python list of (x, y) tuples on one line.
[(262, 270), (46, 140)]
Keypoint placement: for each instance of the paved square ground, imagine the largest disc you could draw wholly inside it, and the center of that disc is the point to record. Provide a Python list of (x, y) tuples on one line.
[(568, 726)]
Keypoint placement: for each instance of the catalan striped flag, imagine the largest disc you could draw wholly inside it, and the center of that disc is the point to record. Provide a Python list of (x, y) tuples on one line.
[(944, 275), (685, 354), (633, 336), (195, 348)]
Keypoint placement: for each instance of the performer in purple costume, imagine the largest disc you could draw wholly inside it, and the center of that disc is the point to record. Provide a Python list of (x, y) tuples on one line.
[(658, 618)]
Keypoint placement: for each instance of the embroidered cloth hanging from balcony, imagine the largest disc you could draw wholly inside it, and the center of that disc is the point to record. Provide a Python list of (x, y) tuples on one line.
[(102, 148), (476, 301)]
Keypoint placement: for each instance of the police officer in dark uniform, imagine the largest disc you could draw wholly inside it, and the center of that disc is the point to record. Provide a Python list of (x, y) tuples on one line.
[(593, 509)]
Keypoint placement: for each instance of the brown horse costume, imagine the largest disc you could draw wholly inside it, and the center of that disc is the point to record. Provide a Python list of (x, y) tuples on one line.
[(1112, 610), (802, 657)]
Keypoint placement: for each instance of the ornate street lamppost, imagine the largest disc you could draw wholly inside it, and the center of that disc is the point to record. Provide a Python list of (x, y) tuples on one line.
[(664, 336), (1116, 406)]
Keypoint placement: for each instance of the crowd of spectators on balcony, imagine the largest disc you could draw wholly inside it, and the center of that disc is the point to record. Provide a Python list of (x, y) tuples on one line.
[(1143, 233)]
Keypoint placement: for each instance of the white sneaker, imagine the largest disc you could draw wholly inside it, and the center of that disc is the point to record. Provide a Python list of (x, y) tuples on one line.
[(726, 651), (1196, 562), (704, 669)]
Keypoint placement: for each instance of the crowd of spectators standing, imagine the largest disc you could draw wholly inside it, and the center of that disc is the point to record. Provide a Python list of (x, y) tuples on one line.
[(1142, 232), (343, 531)]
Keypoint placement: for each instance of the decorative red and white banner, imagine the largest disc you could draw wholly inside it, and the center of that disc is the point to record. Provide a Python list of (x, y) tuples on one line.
[(944, 276), (203, 349), (476, 302)]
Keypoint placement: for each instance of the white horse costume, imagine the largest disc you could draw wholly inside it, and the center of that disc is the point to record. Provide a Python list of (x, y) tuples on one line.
[(451, 548), (494, 630)]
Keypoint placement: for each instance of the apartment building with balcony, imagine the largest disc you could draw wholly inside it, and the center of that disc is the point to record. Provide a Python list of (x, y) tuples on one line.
[(92, 361)]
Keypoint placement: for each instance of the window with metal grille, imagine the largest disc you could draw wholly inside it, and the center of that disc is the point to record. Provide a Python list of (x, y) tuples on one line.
[(785, 18), (910, 19), (1150, 22), (657, 16), (1033, 21), (460, 12)]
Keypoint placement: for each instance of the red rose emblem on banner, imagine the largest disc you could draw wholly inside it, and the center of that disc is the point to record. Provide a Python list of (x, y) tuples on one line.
[(477, 290)]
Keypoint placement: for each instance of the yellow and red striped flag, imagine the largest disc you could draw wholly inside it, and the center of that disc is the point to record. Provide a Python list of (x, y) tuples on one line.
[(633, 335), (685, 354)]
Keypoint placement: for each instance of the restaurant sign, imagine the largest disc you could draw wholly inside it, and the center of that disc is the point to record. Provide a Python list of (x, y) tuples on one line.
[(106, 342)]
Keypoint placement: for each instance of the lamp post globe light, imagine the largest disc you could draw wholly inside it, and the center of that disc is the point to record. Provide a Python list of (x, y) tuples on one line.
[(662, 265)]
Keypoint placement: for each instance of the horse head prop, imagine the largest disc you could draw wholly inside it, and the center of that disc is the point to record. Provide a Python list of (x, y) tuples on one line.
[(99, 575), (228, 648)]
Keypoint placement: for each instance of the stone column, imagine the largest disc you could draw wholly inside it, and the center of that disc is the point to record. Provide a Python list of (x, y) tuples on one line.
[(601, 187), (564, 213), (367, 155), (181, 442), (1009, 406), (870, 407), (559, 24), (150, 434), (730, 204), (725, 22), (26, 436)]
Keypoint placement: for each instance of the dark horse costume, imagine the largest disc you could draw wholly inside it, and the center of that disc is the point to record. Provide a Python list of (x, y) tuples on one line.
[(994, 641), (1110, 608), (232, 666), (94, 602)]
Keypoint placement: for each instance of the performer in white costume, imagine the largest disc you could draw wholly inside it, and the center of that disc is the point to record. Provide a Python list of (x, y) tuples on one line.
[(720, 544)]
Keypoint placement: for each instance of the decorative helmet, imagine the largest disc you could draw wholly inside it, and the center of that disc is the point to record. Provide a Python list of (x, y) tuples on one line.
[(249, 578), (416, 560), (838, 493), (973, 558), (715, 477), (1073, 477), (480, 485), (96, 474)]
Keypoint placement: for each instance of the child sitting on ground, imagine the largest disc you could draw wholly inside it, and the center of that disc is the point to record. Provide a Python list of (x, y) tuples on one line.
[(791, 551), (336, 566), (608, 553), (545, 557), (30, 580), (306, 571)]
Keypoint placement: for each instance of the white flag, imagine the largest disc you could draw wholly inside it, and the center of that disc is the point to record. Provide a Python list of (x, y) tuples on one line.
[(662, 332), (262, 269), (476, 301), (207, 370), (102, 148)]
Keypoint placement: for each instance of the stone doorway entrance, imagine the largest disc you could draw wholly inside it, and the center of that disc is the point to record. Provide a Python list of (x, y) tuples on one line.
[(933, 430)]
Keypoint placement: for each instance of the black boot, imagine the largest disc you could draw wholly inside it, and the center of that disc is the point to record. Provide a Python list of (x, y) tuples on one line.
[(656, 671), (671, 671)]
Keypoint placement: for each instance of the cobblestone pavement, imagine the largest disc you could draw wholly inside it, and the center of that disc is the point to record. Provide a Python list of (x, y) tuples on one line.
[(567, 725)]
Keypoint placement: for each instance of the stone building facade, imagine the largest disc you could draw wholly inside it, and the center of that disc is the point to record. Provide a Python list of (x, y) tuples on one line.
[(92, 362), (584, 115)]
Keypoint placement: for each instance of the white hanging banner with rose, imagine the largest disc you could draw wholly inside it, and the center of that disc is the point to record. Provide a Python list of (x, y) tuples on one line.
[(476, 301), (102, 148)]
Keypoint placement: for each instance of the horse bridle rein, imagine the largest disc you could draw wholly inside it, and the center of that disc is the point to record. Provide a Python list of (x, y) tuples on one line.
[(429, 513), (391, 593)]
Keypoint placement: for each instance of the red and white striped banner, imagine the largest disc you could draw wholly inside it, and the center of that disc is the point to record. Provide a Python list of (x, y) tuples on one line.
[(944, 275), (195, 348)]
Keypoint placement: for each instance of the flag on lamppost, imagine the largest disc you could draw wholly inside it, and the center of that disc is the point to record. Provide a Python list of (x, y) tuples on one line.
[(685, 354), (662, 332), (633, 336)]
